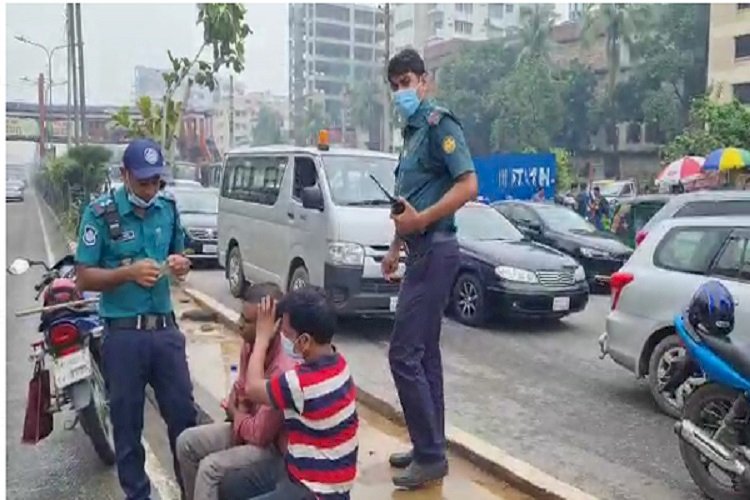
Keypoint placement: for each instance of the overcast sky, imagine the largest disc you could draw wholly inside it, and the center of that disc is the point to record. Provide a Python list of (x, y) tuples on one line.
[(118, 37)]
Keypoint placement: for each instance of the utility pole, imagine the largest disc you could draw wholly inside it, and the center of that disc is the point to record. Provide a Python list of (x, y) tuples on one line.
[(71, 48), (42, 118), (386, 92), (74, 70), (231, 111), (81, 74)]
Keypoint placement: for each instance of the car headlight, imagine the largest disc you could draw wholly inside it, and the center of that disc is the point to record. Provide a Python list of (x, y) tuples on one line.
[(579, 274), (516, 274), (346, 254), (593, 253)]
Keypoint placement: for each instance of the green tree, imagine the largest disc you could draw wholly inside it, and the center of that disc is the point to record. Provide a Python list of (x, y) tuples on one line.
[(535, 32), (711, 125), (528, 108), (620, 24), (149, 124), (564, 170), (88, 167), (580, 117), (267, 129), (465, 87), (315, 120)]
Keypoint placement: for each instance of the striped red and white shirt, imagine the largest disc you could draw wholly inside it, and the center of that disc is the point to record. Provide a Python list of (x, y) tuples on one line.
[(320, 415)]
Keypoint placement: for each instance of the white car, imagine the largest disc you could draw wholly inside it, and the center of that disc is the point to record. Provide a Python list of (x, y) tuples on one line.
[(657, 282)]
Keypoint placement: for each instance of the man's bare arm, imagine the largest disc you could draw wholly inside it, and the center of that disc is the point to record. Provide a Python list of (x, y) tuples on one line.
[(97, 279), (464, 190)]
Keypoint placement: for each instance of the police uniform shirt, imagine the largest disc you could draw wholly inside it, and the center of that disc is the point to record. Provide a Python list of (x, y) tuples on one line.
[(435, 155), (155, 236)]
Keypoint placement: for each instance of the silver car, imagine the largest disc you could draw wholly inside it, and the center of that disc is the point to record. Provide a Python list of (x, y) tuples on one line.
[(13, 191), (657, 282)]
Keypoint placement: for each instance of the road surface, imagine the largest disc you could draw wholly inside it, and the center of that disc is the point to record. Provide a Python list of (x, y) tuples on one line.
[(538, 391), (64, 465)]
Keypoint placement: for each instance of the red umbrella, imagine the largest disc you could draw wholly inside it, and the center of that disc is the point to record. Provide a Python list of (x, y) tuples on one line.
[(682, 169)]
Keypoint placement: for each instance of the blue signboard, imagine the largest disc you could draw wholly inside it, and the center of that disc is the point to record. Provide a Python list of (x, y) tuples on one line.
[(518, 176)]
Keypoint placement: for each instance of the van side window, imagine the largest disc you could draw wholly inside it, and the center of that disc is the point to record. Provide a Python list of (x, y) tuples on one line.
[(255, 179), (734, 260), (716, 207), (689, 249), (305, 175)]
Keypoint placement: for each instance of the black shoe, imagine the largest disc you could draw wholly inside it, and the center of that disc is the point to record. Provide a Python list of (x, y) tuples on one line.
[(418, 475), (401, 460)]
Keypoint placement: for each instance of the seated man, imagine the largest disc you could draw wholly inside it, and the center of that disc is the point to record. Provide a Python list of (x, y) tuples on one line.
[(253, 435), (317, 397)]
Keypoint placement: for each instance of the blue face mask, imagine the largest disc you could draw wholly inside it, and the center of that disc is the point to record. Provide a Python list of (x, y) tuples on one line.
[(288, 347), (406, 102), (140, 202)]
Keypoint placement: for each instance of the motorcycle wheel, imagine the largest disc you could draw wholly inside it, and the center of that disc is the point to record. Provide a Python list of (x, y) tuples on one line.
[(706, 408), (95, 419)]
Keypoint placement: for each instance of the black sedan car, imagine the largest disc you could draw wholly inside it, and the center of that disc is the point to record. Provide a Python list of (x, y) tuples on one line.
[(599, 252), (199, 213), (502, 273)]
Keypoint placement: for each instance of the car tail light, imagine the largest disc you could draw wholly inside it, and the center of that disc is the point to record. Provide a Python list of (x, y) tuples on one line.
[(639, 237), (64, 338), (617, 282)]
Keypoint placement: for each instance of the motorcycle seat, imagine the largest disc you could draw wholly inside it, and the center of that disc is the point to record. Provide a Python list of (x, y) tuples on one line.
[(738, 356)]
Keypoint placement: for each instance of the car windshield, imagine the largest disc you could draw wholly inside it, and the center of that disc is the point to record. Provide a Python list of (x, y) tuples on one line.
[(563, 219), (197, 201), (350, 183), (484, 224), (611, 189)]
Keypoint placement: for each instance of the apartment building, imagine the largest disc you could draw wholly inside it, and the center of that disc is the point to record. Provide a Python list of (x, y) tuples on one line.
[(417, 25), (729, 51), (331, 46)]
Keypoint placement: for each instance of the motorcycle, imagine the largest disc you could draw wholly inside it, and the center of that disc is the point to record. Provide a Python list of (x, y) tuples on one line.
[(714, 431), (71, 336)]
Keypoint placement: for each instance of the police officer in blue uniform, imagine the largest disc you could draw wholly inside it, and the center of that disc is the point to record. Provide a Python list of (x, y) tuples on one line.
[(434, 178), (130, 240)]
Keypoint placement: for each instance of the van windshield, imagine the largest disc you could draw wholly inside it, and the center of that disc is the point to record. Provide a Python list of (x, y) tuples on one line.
[(350, 183)]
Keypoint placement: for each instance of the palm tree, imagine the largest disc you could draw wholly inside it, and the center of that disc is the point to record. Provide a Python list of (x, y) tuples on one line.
[(620, 24), (535, 31)]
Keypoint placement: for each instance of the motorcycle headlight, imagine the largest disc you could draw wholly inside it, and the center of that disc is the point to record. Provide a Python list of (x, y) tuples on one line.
[(579, 274), (346, 254), (593, 253), (516, 274)]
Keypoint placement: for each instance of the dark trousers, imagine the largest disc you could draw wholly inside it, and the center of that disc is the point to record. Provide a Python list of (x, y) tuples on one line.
[(414, 353), (132, 359)]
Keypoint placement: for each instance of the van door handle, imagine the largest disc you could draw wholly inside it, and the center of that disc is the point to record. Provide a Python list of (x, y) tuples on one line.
[(290, 215), (303, 217)]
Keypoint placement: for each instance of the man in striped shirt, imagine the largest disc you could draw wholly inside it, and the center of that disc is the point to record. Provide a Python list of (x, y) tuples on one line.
[(317, 397)]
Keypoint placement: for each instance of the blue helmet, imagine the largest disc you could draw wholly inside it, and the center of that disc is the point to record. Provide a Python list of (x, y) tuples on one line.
[(711, 310)]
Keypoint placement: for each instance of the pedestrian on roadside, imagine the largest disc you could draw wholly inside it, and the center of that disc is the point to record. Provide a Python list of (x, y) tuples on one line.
[(539, 196), (434, 178), (249, 447), (127, 240)]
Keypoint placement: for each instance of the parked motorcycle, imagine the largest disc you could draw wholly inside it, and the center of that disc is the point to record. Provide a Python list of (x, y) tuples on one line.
[(714, 431), (71, 337)]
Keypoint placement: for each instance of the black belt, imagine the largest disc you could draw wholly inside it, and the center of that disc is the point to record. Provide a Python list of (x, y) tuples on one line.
[(418, 245), (143, 322)]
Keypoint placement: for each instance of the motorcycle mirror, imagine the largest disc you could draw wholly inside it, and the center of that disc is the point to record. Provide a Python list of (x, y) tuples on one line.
[(19, 266)]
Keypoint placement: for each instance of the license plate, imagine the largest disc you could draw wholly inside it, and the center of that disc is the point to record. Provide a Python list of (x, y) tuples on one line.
[(72, 368), (394, 303), (210, 248), (561, 303)]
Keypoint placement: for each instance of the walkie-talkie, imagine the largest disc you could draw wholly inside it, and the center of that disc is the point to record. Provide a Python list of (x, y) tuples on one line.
[(397, 206)]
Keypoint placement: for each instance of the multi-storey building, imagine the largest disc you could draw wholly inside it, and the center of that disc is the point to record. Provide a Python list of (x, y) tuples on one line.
[(149, 82), (331, 46), (729, 51)]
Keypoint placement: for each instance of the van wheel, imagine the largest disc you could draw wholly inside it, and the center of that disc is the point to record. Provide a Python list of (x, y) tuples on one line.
[(235, 274), (300, 278)]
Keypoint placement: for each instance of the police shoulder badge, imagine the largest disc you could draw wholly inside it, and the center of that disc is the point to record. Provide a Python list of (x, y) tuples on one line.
[(434, 117), (89, 235), (449, 144)]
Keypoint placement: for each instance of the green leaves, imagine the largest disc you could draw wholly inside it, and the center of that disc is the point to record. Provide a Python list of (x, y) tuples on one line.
[(267, 130)]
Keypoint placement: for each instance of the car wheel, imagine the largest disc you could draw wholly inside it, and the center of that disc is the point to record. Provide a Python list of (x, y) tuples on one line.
[(235, 274), (468, 300), (299, 279), (666, 352)]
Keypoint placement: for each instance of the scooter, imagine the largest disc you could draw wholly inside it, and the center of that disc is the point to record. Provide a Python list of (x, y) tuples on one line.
[(714, 431), (71, 338)]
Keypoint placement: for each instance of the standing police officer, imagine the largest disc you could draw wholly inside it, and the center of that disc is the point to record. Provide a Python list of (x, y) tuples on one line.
[(128, 239), (434, 178)]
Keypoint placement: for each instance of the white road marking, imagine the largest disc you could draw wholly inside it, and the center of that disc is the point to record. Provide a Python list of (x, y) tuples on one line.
[(164, 485), (45, 236)]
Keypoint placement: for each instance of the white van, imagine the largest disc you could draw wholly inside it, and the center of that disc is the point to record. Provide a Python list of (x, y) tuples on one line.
[(295, 216)]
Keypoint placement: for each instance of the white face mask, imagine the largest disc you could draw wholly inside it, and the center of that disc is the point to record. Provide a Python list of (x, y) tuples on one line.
[(288, 347)]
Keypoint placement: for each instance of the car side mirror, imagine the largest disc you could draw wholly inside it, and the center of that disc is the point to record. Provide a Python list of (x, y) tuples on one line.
[(531, 226), (312, 198)]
